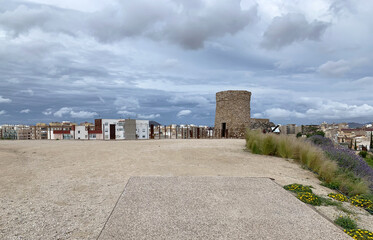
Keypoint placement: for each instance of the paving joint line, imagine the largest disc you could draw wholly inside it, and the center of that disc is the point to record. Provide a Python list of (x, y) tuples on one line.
[(112, 211)]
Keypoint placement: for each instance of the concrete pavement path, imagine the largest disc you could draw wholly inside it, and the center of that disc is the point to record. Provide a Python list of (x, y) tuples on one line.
[(213, 208)]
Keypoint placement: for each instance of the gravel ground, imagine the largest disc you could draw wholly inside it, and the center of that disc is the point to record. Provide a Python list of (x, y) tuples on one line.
[(67, 189)]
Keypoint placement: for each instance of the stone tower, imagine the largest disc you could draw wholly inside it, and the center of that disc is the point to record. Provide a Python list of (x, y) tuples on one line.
[(232, 116)]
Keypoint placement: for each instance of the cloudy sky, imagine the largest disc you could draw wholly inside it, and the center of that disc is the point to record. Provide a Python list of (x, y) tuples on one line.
[(305, 61)]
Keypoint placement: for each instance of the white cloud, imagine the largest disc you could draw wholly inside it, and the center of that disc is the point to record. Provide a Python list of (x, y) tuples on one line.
[(150, 116), (282, 113), (2, 112), (337, 110), (257, 115), (47, 111), (67, 110), (25, 111), (291, 28), (184, 113), (126, 113), (321, 110), (335, 68), (62, 111), (29, 91), (4, 100), (82, 114)]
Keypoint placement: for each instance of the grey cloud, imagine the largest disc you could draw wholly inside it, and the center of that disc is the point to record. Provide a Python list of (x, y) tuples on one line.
[(291, 28), (335, 68), (188, 24), (127, 102), (50, 19), (193, 27)]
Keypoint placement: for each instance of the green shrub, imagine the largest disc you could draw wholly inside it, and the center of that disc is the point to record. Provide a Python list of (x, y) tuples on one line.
[(363, 154), (346, 222)]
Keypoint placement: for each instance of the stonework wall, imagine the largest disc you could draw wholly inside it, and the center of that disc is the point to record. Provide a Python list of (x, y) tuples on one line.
[(233, 109), (261, 123)]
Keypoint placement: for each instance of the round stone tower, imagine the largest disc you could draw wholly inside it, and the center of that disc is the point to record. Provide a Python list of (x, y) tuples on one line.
[(232, 116)]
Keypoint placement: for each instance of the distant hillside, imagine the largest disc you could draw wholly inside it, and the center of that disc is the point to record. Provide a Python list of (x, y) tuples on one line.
[(154, 123), (356, 125)]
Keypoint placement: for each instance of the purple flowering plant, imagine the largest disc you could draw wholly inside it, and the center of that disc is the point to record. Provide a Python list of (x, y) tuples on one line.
[(345, 158)]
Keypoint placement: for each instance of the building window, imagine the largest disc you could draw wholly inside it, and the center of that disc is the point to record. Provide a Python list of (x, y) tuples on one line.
[(106, 124), (78, 131)]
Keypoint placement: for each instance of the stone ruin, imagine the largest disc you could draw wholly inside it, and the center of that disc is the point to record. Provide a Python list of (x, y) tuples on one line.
[(232, 116)]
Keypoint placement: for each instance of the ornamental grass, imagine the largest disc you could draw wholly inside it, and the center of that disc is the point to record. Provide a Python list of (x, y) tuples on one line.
[(350, 176)]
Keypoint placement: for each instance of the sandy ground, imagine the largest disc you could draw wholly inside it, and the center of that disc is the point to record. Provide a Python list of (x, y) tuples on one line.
[(67, 189)]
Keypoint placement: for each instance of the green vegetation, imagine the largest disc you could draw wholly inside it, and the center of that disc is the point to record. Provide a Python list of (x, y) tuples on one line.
[(368, 157), (304, 193), (309, 198), (346, 222), (338, 197), (361, 201), (359, 234), (363, 154), (298, 188), (309, 156), (321, 133)]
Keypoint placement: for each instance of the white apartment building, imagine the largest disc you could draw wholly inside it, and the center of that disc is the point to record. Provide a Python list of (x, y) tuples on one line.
[(113, 129), (81, 132), (142, 129)]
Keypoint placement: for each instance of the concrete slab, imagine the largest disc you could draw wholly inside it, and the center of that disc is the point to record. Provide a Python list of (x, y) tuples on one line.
[(213, 208)]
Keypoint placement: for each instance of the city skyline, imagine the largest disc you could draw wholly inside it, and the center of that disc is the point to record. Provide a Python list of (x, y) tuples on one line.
[(304, 62)]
